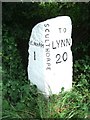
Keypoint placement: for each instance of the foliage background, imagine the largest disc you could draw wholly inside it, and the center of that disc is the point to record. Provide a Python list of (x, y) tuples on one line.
[(20, 98)]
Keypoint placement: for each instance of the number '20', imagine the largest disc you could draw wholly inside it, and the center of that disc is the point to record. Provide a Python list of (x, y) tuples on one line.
[(61, 58)]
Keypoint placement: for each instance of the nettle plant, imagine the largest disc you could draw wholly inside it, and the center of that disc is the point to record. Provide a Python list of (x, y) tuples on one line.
[(18, 95), (82, 71)]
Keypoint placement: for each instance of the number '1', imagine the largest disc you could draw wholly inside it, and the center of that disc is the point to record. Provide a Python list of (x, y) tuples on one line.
[(34, 55)]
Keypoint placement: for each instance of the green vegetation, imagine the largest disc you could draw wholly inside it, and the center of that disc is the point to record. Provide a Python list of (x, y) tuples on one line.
[(20, 98)]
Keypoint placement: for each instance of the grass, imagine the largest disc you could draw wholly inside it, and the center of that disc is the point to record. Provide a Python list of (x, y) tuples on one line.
[(67, 105)]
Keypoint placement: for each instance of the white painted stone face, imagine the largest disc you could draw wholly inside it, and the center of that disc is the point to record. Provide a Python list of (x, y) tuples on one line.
[(50, 55)]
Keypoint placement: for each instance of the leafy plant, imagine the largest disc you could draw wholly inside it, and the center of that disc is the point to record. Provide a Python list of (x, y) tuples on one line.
[(18, 95)]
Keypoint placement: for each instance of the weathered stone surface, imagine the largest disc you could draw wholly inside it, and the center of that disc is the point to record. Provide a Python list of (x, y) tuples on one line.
[(50, 56)]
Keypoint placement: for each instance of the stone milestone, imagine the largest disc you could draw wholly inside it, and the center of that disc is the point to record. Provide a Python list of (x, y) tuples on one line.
[(50, 56)]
